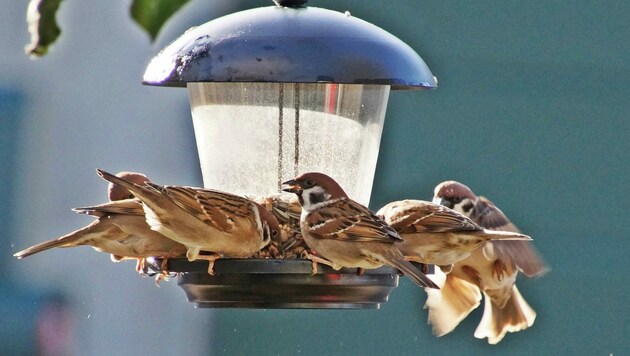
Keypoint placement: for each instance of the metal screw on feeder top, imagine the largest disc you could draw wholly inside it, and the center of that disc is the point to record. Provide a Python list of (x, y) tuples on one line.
[(290, 3)]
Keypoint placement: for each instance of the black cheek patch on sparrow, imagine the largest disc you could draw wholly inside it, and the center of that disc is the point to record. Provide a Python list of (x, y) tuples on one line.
[(466, 207), (316, 197)]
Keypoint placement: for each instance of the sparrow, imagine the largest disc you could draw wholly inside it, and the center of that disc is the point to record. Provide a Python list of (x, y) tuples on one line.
[(116, 192), (120, 229), (459, 197), (224, 224), (345, 232), (435, 234), (491, 270)]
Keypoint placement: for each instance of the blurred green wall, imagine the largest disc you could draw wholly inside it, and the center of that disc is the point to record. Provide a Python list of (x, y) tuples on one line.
[(532, 111)]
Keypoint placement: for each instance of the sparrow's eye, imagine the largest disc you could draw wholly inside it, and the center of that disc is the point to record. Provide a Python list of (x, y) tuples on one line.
[(456, 200), (447, 203), (309, 183), (274, 233)]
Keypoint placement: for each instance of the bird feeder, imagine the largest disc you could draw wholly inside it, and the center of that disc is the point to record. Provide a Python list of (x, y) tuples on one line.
[(282, 90)]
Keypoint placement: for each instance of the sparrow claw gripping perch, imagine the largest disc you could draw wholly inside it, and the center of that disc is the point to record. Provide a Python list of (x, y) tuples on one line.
[(211, 259), (315, 260), (140, 266), (164, 265), (162, 276)]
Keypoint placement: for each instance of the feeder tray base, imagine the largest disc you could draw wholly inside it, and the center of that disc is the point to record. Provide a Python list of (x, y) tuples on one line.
[(280, 284)]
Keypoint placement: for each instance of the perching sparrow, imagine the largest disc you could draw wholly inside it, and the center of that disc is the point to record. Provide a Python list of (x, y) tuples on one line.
[(224, 224), (434, 234), (120, 229), (491, 269), (345, 232)]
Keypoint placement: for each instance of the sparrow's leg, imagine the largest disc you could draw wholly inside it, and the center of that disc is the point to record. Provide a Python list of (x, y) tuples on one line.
[(162, 276), (163, 265), (315, 260), (498, 269), (140, 266), (425, 266), (210, 258)]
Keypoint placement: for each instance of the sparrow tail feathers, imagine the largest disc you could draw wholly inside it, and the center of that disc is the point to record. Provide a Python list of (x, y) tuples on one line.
[(516, 315), (451, 304), (69, 240)]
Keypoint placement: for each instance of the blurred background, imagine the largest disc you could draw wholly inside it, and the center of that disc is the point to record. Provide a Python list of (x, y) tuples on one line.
[(532, 111)]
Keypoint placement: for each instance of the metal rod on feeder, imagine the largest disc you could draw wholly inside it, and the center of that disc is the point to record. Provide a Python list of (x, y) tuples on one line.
[(280, 126), (296, 101)]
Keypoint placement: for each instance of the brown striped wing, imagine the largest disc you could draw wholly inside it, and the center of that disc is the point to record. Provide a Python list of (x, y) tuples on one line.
[(347, 220), (420, 216), (217, 209)]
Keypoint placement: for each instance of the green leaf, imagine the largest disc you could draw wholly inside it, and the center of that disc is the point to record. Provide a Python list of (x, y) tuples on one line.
[(152, 14), (40, 17)]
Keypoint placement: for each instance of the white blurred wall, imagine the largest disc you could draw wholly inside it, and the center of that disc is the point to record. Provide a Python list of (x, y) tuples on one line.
[(85, 108)]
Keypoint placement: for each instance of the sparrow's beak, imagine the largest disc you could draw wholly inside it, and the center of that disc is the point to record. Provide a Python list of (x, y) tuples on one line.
[(444, 202), (291, 186)]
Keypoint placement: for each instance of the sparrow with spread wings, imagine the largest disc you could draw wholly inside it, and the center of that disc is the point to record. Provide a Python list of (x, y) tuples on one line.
[(491, 270), (434, 234)]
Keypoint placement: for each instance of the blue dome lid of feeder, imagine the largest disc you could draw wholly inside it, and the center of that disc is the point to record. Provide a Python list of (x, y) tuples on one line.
[(289, 45)]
